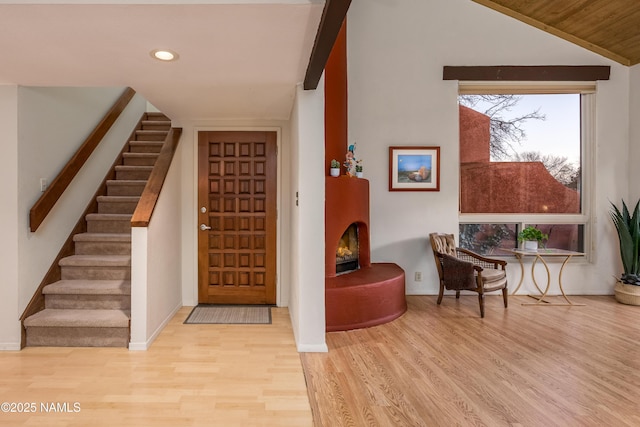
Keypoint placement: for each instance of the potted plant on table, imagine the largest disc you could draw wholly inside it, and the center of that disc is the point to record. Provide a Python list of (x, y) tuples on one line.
[(531, 238), (627, 290), (335, 168)]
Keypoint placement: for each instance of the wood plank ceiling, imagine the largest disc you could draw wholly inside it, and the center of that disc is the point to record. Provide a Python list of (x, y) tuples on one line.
[(610, 28)]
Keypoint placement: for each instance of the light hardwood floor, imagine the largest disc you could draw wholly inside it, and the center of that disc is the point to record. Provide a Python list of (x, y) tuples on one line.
[(193, 375), (434, 366), (445, 366)]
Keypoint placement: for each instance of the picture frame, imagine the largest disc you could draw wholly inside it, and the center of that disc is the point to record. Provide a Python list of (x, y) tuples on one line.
[(414, 168)]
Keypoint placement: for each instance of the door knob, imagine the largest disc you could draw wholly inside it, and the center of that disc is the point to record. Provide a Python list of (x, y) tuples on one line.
[(204, 227)]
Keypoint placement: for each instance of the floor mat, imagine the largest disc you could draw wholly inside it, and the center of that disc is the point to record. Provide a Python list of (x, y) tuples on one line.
[(230, 314)]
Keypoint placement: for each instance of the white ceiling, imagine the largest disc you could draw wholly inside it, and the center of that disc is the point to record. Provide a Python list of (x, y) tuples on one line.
[(236, 60)]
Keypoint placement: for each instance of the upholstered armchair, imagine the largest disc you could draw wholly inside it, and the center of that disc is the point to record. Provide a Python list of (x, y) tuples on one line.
[(461, 269)]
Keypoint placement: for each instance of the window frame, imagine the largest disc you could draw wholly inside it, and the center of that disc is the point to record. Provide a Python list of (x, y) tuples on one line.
[(587, 92)]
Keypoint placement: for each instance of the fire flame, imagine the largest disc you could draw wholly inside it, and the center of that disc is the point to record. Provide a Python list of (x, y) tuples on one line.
[(343, 251)]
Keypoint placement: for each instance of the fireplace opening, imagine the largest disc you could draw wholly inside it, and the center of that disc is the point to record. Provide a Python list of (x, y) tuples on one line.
[(347, 252)]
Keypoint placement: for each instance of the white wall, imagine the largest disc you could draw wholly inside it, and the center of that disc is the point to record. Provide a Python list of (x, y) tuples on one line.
[(307, 309), (156, 288), (396, 52), (634, 133), (9, 315), (53, 123)]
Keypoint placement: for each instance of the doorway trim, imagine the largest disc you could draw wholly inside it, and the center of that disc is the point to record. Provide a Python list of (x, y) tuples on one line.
[(281, 293)]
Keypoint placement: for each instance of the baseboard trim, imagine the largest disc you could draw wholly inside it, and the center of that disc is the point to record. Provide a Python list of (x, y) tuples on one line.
[(10, 346), (312, 348), (144, 346)]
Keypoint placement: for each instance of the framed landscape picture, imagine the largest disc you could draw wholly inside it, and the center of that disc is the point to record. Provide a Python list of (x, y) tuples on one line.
[(414, 168)]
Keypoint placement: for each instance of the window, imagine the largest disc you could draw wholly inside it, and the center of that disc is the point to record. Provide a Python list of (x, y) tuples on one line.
[(525, 160)]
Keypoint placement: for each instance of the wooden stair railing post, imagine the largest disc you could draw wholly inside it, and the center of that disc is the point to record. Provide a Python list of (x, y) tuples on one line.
[(48, 199)]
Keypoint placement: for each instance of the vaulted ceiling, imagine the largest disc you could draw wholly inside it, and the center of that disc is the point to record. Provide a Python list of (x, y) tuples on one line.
[(239, 60), (610, 28)]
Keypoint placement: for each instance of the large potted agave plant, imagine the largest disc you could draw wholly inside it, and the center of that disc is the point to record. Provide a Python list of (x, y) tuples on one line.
[(627, 290)]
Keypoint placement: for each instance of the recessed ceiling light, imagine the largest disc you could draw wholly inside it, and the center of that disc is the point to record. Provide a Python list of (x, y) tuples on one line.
[(164, 55)]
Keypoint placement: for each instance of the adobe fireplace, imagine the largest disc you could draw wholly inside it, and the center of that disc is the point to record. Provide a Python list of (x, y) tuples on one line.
[(358, 294)]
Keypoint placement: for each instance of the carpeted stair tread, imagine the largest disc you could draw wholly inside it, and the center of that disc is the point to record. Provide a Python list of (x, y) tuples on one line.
[(88, 287), (147, 143), (143, 155), (108, 216), (151, 132), (133, 167), (118, 182), (96, 261), (102, 237), (79, 318), (131, 199), (145, 146), (156, 122)]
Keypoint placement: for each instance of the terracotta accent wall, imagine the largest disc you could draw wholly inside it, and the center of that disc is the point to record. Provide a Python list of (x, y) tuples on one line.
[(335, 107), (474, 134), (505, 187)]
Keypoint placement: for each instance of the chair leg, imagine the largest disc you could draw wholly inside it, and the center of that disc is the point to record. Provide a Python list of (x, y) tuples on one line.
[(441, 293), (481, 301), (505, 293), (457, 294)]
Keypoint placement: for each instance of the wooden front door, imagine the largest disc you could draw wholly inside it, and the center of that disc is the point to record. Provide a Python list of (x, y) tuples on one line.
[(237, 217)]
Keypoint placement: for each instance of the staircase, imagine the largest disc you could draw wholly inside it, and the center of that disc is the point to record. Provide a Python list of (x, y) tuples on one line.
[(90, 306)]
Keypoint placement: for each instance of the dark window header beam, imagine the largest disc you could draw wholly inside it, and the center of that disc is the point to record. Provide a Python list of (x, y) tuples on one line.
[(576, 73)]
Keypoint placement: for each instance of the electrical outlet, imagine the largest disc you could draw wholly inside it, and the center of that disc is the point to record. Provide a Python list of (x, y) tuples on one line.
[(43, 184), (418, 277)]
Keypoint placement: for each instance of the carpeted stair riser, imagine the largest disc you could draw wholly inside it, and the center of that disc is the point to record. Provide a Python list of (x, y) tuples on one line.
[(150, 135), (78, 328), (125, 187), (133, 172), (117, 204), (104, 248), (99, 246), (108, 223), (139, 159), (162, 125), (145, 146), (77, 337), (96, 267), (96, 273), (91, 302), (88, 295)]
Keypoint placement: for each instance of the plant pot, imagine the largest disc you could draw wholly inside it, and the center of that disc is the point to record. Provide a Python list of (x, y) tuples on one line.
[(531, 245), (359, 174), (335, 171), (627, 294)]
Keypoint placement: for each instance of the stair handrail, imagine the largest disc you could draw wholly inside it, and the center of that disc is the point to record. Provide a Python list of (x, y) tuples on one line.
[(149, 198), (49, 198)]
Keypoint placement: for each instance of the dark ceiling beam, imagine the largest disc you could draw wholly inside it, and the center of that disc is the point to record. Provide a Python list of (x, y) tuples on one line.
[(333, 15)]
